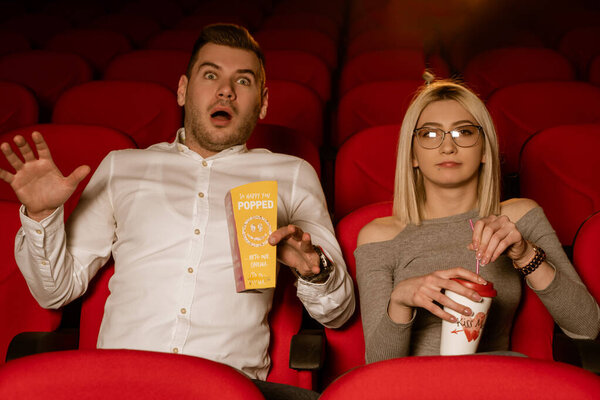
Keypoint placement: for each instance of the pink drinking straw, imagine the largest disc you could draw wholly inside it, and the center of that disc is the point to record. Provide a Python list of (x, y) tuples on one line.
[(472, 229)]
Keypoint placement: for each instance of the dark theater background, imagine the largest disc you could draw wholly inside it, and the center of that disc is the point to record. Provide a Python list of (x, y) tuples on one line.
[(95, 76)]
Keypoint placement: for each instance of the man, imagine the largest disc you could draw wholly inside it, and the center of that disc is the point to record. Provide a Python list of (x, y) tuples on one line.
[(160, 213)]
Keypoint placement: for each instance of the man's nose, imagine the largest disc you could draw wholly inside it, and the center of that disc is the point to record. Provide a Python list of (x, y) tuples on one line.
[(226, 92)]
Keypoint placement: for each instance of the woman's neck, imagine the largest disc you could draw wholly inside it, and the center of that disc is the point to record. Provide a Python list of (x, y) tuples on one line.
[(444, 202)]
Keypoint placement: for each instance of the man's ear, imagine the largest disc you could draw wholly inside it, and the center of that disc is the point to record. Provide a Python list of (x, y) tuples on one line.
[(182, 90), (264, 103)]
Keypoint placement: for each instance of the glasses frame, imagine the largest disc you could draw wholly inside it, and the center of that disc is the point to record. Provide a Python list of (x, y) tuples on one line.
[(479, 132)]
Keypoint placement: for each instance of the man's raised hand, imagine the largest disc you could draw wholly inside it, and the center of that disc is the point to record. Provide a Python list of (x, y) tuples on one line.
[(37, 182)]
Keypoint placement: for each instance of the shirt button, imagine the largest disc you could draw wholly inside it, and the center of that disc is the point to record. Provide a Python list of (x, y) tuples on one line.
[(175, 350), (201, 195), (38, 231), (197, 231), (183, 310), (204, 163), (44, 262), (191, 270)]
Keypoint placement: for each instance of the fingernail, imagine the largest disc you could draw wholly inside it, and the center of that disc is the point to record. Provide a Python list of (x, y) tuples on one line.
[(482, 281), (476, 297), (478, 256), (468, 312), (453, 319)]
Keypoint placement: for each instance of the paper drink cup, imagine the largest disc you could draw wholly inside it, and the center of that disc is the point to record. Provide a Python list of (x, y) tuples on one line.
[(462, 337)]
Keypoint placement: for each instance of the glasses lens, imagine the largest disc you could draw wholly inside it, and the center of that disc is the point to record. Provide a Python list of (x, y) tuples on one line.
[(465, 136), (430, 138)]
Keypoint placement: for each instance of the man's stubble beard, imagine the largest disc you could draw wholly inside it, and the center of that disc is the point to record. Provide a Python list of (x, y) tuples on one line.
[(207, 139)]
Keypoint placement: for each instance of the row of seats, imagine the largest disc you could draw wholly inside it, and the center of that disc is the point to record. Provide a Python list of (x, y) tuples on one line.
[(532, 332), (151, 375)]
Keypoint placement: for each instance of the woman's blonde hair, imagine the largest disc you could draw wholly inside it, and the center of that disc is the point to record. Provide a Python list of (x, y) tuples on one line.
[(409, 191)]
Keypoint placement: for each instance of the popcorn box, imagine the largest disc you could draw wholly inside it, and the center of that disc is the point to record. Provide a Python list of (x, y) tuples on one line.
[(252, 217)]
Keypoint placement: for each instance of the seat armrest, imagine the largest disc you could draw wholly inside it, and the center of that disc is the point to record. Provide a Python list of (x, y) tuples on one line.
[(578, 352), (307, 350), (28, 343)]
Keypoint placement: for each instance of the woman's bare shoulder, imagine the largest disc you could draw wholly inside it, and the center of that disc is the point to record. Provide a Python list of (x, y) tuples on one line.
[(380, 230), (516, 208)]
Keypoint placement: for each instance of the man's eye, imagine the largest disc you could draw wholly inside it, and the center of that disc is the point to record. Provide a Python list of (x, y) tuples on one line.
[(244, 81), (210, 75)]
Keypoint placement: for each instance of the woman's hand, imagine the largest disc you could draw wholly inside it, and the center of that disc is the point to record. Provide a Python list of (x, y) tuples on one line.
[(425, 291), (494, 235)]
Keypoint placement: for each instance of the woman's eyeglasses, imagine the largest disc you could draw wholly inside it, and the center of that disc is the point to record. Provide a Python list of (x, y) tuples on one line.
[(462, 136)]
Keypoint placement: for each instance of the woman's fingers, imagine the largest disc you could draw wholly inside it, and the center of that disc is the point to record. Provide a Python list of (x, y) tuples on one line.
[(11, 157)]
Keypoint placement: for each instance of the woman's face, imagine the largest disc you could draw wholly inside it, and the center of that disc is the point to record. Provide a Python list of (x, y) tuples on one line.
[(448, 165)]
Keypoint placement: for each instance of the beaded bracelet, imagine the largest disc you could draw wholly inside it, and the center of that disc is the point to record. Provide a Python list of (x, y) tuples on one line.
[(538, 259)]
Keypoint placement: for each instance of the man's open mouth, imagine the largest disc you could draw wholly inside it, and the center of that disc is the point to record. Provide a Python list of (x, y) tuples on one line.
[(221, 115)]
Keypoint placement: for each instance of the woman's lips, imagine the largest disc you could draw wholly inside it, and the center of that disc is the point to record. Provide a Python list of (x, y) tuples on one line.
[(448, 164)]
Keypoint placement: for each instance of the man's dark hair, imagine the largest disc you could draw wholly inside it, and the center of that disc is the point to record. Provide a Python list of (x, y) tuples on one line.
[(230, 35)]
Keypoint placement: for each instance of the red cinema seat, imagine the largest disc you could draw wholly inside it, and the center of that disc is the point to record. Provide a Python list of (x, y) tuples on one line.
[(373, 104), (122, 374), (498, 68), (18, 106), (580, 45), (559, 171), (439, 377), (159, 66), (137, 28), (303, 19), (19, 311), (47, 73), (308, 40), (146, 111), (285, 320), (385, 38), (346, 345), (13, 42), (297, 107), (365, 169), (174, 39), (521, 110), (37, 28), (279, 139), (96, 46), (71, 146), (300, 67), (586, 253), (392, 64)]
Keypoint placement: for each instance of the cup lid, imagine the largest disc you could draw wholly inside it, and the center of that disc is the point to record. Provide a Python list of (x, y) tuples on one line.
[(483, 290)]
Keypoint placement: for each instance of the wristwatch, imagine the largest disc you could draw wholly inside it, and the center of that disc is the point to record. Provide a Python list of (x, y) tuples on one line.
[(325, 266)]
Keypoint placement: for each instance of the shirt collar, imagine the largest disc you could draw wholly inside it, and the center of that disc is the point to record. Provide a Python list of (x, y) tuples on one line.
[(178, 145)]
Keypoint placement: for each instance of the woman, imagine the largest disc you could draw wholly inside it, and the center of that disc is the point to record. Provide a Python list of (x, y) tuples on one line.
[(448, 176)]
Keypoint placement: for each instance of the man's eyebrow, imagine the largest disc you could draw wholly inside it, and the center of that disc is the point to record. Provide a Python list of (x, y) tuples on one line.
[(208, 64), (247, 71)]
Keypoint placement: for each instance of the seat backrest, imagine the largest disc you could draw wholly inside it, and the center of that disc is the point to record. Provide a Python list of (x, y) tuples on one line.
[(71, 146), (174, 39), (586, 254), (159, 66), (565, 156), (18, 106), (385, 37), (521, 110), (13, 42), (38, 28), (300, 67), (309, 40), (497, 68), (392, 64), (96, 46), (346, 345), (594, 71), (121, 374), (279, 139), (297, 107), (47, 73), (365, 168), (487, 377), (19, 311), (372, 104), (146, 111), (285, 320)]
